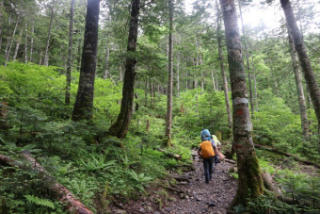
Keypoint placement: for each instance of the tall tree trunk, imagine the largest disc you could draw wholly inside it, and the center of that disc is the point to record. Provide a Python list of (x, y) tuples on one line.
[(106, 69), (1, 20), (300, 92), (26, 44), (255, 85), (170, 77), (10, 41), (31, 42), (120, 127), (224, 77), (79, 53), (247, 59), (17, 45), (84, 101), (213, 81), (46, 54), (178, 74), (69, 60), (250, 180), (304, 60)]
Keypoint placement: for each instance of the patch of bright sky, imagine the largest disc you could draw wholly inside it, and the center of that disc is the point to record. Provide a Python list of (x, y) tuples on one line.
[(261, 15)]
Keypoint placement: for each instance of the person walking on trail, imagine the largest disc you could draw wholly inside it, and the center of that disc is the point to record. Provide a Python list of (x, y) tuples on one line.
[(207, 151)]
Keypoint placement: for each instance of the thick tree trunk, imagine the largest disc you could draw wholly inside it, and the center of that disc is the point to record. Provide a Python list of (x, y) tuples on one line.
[(120, 127), (10, 41), (300, 92), (304, 60), (224, 77), (170, 77), (72, 205), (31, 42), (84, 101), (106, 68), (46, 52), (17, 45), (250, 180), (247, 59), (26, 44), (69, 60)]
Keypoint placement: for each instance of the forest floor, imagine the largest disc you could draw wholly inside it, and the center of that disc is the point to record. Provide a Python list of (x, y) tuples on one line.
[(190, 195)]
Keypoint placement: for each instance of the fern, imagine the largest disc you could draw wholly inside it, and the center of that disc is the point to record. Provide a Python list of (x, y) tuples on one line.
[(39, 201)]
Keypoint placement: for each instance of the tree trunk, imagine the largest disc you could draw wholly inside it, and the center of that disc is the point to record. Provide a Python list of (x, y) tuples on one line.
[(255, 85), (170, 77), (69, 60), (304, 60), (46, 56), (250, 180), (178, 74), (106, 69), (17, 45), (10, 41), (247, 59), (26, 44), (1, 18), (300, 92), (84, 101), (120, 127), (213, 81), (224, 77), (31, 42)]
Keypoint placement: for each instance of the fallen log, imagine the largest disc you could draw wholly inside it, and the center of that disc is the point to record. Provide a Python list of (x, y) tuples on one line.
[(271, 149), (72, 205), (170, 155)]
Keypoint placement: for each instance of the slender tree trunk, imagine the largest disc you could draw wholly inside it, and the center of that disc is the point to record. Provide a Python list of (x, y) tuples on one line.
[(250, 180), (1, 18), (31, 42), (69, 60), (255, 85), (79, 53), (17, 45), (46, 54), (106, 69), (213, 81), (84, 101), (247, 59), (170, 77), (178, 74), (224, 77), (10, 41), (120, 127), (300, 92), (26, 44), (304, 60)]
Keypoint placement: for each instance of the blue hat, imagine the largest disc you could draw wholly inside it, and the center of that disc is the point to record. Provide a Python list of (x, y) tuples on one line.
[(205, 135)]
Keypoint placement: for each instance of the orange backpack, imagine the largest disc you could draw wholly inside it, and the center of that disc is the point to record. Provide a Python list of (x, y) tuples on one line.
[(206, 149)]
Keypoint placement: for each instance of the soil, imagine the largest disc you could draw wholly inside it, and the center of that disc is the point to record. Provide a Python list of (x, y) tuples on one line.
[(190, 194)]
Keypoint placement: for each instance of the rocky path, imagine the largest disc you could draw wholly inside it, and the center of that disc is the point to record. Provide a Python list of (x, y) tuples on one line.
[(200, 197), (194, 196)]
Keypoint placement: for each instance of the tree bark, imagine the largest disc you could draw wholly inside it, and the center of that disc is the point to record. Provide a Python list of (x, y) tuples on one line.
[(304, 60), (255, 85), (213, 81), (10, 41), (79, 53), (46, 54), (224, 77), (72, 205), (69, 60), (170, 77), (178, 74), (120, 127), (84, 101), (106, 69), (1, 18), (247, 59), (250, 180), (26, 44), (17, 45), (31, 42), (300, 92)]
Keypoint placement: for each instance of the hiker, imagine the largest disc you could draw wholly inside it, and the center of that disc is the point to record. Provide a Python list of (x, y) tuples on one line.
[(207, 151)]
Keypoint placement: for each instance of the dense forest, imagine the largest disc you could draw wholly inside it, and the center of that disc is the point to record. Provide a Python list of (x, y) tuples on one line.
[(102, 103)]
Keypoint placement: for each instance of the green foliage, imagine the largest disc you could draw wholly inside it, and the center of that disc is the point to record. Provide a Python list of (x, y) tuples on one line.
[(39, 201)]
